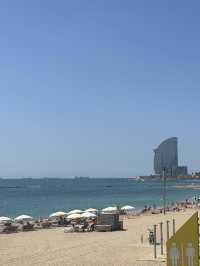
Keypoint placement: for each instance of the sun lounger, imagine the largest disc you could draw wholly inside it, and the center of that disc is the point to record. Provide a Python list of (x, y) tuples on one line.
[(27, 227), (155, 211), (9, 229), (46, 224), (38, 226), (69, 229), (103, 228), (78, 228)]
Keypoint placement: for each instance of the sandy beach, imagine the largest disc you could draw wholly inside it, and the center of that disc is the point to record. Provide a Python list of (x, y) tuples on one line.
[(53, 247)]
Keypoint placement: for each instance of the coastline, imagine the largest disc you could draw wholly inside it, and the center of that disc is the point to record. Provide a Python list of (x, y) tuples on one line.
[(41, 197)]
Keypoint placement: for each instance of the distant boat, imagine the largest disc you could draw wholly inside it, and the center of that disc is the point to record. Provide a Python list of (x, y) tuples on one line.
[(137, 178), (82, 177)]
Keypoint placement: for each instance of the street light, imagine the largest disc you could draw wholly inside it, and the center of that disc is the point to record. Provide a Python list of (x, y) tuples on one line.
[(164, 191)]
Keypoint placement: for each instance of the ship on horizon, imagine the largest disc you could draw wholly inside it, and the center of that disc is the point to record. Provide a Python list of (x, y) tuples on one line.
[(82, 177), (137, 178)]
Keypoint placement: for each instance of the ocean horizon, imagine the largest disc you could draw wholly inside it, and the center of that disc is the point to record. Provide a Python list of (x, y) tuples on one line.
[(43, 196)]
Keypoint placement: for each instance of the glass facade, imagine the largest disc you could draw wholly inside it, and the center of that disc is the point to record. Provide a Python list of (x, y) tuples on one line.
[(166, 157)]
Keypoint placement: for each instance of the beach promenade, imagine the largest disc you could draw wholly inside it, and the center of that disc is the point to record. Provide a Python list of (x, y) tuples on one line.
[(53, 247)]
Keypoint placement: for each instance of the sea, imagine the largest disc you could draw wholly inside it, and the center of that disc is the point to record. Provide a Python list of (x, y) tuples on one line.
[(41, 197)]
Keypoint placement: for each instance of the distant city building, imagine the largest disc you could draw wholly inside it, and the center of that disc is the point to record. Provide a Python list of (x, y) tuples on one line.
[(196, 175), (181, 171), (166, 158)]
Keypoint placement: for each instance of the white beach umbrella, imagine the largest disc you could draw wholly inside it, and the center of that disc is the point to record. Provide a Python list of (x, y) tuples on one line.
[(91, 210), (109, 209), (88, 215), (74, 212), (23, 218), (58, 214), (128, 208), (4, 219), (74, 216)]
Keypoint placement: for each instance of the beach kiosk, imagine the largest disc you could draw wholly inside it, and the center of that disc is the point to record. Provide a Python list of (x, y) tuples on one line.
[(109, 222)]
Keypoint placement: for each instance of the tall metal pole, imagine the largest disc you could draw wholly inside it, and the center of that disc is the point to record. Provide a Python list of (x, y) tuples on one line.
[(167, 229), (174, 229), (155, 242), (161, 238), (164, 191)]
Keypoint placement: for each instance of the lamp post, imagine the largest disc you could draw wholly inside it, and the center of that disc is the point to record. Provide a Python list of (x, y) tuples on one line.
[(164, 191)]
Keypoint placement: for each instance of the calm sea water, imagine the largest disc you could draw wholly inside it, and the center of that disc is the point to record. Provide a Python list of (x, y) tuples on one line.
[(40, 197)]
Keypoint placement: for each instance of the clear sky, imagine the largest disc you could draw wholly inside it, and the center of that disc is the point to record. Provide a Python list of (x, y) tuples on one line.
[(92, 87)]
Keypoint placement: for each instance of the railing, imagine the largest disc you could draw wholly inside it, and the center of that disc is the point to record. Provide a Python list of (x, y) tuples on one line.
[(158, 228)]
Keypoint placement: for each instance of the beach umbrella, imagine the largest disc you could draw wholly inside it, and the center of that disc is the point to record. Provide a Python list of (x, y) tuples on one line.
[(23, 218), (74, 212), (88, 215), (58, 214), (74, 216), (91, 210), (128, 208), (4, 219), (109, 209)]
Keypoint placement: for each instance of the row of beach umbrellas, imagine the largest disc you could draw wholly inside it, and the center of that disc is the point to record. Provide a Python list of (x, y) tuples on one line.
[(91, 212), (17, 219), (126, 208), (74, 214)]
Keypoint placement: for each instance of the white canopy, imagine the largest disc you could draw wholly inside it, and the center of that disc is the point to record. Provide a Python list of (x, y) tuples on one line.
[(5, 219), (74, 216), (58, 214), (74, 212), (88, 215), (23, 218), (128, 208), (110, 209), (91, 210)]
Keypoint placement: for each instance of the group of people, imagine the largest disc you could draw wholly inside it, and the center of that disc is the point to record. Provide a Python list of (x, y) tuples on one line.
[(10, 227), (179, 206), (81, 226), (78, 225), (84, 225), (147, 209)]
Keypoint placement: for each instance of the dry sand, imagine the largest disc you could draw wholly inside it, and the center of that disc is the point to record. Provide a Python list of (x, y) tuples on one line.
[(53, 247)]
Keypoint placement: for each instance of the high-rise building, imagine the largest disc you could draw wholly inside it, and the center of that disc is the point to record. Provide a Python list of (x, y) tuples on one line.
[(166, 157), (181, 171)]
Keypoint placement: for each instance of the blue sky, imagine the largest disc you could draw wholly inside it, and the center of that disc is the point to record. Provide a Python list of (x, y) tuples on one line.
[(92, 87)]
